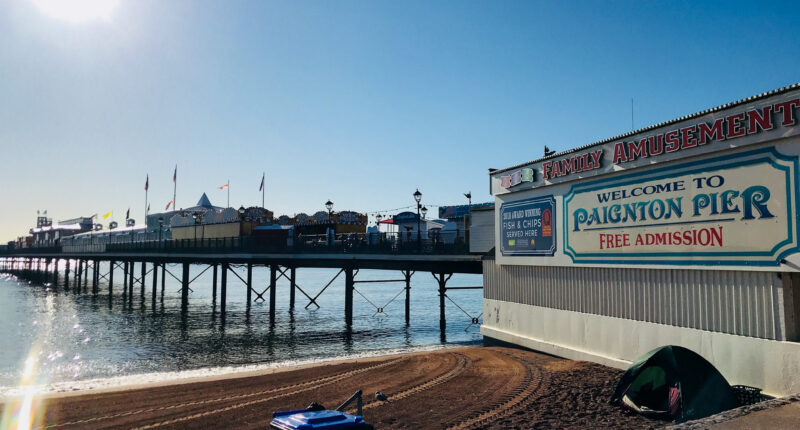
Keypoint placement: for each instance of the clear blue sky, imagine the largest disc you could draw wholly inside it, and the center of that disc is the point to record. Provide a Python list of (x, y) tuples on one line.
[(357, 102)]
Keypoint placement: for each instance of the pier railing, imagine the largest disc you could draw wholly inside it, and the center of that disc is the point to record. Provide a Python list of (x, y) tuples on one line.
[(355, 243)]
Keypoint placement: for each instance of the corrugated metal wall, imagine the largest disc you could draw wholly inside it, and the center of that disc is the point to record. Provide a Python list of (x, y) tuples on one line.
[(736, 302)]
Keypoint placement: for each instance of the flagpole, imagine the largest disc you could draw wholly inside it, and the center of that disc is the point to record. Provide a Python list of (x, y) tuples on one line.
[(146, 190), (174, 187), (263, 190), (229, 192)]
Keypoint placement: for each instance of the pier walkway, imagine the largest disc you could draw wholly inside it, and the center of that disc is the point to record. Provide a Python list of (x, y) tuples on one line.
[(91, 263)]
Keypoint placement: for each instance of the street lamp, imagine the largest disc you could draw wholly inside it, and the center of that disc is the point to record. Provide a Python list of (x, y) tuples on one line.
[(241, 211), (195, 218), (424, 212), (329, 207), (160, 227), (468, 195), (418, 198)]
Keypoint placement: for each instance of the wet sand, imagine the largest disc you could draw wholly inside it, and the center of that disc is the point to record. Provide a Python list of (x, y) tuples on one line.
[(474, 387)]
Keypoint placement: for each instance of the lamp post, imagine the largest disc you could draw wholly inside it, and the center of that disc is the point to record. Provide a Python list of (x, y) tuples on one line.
[(418, 198), (468, 195), (329, 207), (160, 227), (424, 212), (195, 217)]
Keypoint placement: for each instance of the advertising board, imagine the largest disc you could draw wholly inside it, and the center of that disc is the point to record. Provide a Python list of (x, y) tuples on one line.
[(528, 227)]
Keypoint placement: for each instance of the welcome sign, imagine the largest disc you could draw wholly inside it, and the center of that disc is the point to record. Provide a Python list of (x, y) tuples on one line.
[(733, 210)]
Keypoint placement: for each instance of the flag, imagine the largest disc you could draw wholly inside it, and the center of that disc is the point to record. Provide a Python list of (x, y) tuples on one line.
[(262, 183), (175, 175), (147, 183), (170, 202), (108, 215), (223, 187), (128, 214)]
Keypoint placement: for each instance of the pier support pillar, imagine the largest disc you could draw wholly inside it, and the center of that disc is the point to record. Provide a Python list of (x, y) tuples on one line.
[(249, 284), (155, 283), (66, 275), (111, 266), (214, 285), (124, 279), (273, 280), (85, 274), (163, 279), (185, 287), (292, 288), (144, 274), (95, 276), (55, 272), (223, 288), (78, 272), (131, 267), (442, 280), (348, 296), (407, 276)]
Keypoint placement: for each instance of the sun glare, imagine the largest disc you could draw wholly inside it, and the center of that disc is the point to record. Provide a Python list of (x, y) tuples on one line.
[(78, 10)]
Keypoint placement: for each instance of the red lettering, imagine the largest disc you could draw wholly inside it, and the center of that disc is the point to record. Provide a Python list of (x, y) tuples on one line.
[(556, 169), (566, 167), (673, 144), (596, 156), (687, 137), (656, 149), (546, 167), (762, 121), (787, 108), (619, 152), (637, 150), (706, 133), (735, 128)]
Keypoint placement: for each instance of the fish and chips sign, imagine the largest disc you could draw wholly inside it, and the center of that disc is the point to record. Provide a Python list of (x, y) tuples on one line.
[(737, 209), (528, 227)]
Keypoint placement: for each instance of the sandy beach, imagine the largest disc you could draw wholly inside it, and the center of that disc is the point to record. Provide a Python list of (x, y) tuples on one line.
[(471, 387)]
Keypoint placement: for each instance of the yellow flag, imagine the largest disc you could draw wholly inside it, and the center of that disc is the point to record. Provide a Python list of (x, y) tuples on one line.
[(108, 215)]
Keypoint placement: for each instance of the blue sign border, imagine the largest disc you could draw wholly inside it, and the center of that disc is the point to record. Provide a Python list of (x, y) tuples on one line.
[(533, 253), (770, 154)]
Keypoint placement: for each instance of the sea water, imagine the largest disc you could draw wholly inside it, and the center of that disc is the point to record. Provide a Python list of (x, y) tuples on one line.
[(74, 339)]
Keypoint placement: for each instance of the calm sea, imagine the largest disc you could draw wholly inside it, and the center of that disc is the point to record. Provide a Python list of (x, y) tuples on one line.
[(77, 339)]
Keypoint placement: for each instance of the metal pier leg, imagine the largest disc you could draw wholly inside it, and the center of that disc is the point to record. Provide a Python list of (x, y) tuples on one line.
[(77, 275), (131, 267), (124, 279), (291, 287), (273, 278), (111, 265), (348, 296), (249, 284), (144, 273), (55, 272), (85, 274), (214, 285), (95, 275), (442, 291), (223, 288), (163, 280), (407, 274), (66, 276), (185, 287), (155, 284)]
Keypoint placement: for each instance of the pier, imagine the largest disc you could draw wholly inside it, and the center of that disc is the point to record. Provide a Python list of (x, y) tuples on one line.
[(147, 266)]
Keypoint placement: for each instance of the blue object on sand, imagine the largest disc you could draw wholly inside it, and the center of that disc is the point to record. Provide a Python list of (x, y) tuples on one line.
[(317, 420)]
